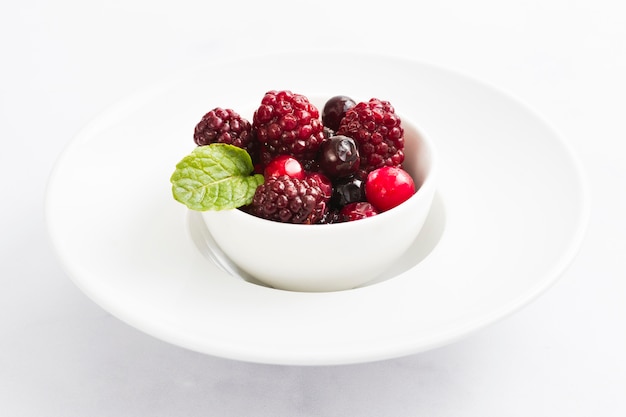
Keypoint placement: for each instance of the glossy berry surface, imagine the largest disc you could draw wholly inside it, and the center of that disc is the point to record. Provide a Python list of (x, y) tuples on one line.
[(284, 165), (335, 109), (286, 123), (378, 132), (324, 183), (347, 190), (326, 167), (224, 126), (357, 211), (388, 187), (289, 200), (338, 157), (332, 216)]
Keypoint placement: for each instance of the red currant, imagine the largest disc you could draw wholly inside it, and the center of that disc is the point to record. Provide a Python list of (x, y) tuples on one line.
[(388, 187), (284, 165)]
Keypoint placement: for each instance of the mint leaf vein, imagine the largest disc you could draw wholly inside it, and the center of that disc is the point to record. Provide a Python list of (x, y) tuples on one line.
[(215, 177)]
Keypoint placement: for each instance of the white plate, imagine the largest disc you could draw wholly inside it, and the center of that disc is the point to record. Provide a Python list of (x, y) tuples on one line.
[(508, 218)]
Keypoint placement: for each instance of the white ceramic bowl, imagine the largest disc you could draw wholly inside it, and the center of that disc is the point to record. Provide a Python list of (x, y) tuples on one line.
[(330, 257)]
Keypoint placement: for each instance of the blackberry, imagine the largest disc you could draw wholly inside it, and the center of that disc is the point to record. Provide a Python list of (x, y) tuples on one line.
[(378, 132), (225, 126), (289, 200), (324, 183), (287, 124)]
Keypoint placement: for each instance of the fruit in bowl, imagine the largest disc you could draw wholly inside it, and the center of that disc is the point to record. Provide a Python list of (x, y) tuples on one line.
[(306, 201)]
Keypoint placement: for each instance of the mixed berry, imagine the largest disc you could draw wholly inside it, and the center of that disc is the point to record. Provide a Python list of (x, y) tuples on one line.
[(342, 165), (287, 124), (225, 126)]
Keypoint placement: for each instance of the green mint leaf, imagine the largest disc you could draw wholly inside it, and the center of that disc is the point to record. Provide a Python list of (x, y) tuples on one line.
[(215, 177)]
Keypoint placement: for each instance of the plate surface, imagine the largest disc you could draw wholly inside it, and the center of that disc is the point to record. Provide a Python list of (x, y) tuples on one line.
[(509, 216)]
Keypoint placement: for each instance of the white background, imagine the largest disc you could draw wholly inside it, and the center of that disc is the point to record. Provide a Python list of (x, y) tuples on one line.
[(62, 62)]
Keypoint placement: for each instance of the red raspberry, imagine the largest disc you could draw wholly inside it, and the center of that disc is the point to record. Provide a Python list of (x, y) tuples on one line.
[(376, 128), (288, 124), (325, 184), (357, 211), (289, 200), (225, 126)]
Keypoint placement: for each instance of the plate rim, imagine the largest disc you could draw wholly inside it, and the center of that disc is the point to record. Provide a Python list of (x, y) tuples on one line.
[(557, 270)]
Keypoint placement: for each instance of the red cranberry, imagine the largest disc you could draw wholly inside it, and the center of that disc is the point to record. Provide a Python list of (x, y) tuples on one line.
[(284, 165), (388, 187)]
